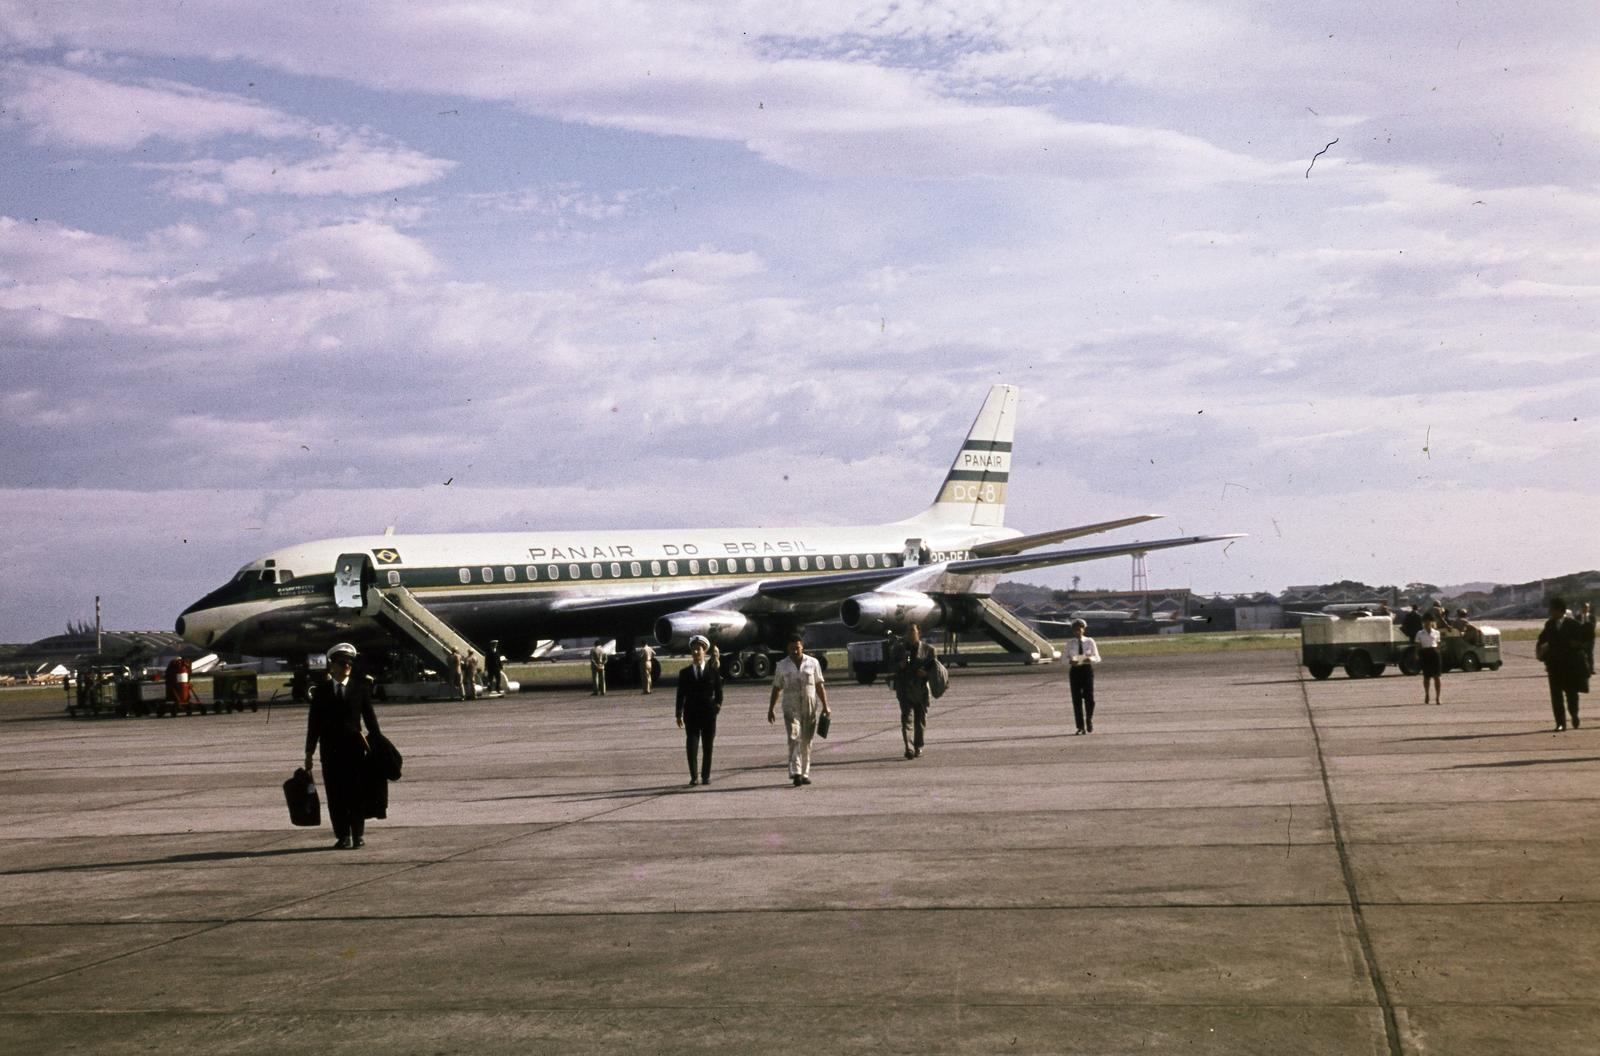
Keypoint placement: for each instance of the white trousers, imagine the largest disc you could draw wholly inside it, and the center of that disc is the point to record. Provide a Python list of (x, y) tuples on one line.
[(801, 726)]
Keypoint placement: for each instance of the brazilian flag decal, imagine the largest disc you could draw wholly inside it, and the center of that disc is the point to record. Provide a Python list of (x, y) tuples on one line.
[(386, 556)]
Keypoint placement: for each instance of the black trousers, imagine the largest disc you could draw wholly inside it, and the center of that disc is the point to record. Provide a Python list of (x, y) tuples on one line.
[(913, 721), (1080, 678), (344, 765), (699, 733), (1556, 695)]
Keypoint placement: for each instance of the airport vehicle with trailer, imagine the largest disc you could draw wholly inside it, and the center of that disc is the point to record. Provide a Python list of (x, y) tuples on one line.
[(1365, 645)]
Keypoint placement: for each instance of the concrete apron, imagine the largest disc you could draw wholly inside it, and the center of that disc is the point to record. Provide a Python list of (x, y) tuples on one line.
[(1236, 860)]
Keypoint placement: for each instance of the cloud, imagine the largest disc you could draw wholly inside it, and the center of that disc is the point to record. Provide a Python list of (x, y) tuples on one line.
[(70, 108), (75, 109), (351, 168)]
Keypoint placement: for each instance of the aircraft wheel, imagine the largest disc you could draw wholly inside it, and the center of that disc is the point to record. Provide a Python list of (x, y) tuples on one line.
[(733, 668), (760, 666), (1320, 671), (1470, 662)]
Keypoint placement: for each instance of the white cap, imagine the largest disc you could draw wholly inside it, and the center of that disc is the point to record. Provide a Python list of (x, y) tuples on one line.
[(343, 647), (700, 640)]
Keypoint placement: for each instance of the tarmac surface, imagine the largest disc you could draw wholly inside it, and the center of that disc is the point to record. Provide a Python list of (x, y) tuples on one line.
[(1237, 860)]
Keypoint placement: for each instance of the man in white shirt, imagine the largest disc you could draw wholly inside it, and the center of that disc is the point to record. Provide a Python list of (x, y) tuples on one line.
[(798, 680), (1082, 655)]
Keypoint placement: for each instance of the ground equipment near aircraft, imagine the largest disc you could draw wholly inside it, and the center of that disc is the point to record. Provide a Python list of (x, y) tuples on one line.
[(1365, 645)]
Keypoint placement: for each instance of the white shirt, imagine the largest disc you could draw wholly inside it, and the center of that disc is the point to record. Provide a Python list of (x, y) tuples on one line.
[(1082, 651), (799, 684), (1427, 639)]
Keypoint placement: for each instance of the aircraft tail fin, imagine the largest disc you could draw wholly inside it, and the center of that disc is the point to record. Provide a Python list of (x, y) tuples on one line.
[(974, 491)]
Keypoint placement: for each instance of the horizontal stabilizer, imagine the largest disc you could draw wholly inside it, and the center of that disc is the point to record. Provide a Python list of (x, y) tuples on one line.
[(1027, 542)]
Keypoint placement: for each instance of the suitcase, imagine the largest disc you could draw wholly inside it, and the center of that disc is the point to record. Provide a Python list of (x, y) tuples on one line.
[(305, 807)]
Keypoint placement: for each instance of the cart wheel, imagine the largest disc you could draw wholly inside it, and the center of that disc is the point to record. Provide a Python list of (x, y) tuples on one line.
[(1470, 662), (1320, 671)]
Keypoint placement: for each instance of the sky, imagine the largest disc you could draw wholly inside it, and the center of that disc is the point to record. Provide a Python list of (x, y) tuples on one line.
[(1324, 273)]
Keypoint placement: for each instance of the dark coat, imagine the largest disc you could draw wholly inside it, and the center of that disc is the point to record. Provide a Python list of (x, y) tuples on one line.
[(700, 695), (1565, 644), (337, 722), (907, 670)]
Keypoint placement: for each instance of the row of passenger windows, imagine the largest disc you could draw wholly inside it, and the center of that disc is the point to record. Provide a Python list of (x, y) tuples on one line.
[(694, 566)]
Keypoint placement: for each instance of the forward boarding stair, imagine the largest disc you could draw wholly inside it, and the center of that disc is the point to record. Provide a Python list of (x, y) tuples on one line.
[(401, 613)]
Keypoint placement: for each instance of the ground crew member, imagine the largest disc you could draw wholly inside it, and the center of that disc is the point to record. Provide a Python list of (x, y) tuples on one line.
[(340, 702), (911, 662), (494, 668), (1082, 655), (472, 676), (456, 677), (647, 657), (699, 700), (798, 680), (597, 669)]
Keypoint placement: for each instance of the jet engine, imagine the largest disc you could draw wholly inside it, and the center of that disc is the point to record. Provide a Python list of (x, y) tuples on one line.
[(722, 627), (889, 610)]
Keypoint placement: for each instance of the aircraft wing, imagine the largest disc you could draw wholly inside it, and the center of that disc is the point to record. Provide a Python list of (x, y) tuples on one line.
[(1059, 535)]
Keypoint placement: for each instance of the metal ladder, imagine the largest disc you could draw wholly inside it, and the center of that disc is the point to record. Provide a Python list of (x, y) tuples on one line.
[(995, 620), (399, 610)]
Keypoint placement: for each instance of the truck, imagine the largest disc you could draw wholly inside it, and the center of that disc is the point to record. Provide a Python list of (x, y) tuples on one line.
[(1365, 645)]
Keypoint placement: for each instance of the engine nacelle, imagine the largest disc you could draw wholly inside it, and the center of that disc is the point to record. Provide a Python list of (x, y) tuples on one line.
[(889, 610), (722, 627)]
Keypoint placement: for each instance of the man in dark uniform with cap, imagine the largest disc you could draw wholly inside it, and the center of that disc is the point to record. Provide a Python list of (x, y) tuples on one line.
[(699, 700), (340, 702)]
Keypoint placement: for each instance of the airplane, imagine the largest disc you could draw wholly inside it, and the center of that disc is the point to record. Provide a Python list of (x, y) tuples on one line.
[(742, 588)]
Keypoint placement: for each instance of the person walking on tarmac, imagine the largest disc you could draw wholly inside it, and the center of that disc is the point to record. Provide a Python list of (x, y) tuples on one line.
[(912, 662), (699, 700), (647, 657), (597, 669), (1429, 641), (798, 680), (341, 702), (1082, 655), (1564, 645)]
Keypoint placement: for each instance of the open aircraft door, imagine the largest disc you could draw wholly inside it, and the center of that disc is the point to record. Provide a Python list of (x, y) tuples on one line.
[(352, 575)]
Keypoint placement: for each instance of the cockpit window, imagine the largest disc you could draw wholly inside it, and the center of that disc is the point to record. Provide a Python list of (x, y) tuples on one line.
[(285, 576)]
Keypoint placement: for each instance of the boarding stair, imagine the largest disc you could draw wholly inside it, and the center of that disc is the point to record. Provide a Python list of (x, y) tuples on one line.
[(996, 621), (397, 609)]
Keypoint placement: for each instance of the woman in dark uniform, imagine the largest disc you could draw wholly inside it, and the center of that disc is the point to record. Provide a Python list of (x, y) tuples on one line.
[(1428, 640), (340, 702)]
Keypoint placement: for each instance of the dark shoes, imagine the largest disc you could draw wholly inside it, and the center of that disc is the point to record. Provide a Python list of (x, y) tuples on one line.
[(1574, 722), (805, 780), (706, 780), (358, 842), (1077, 732), (343, 844), (910, 754), (693, 781), (917, 752), (796, 779)]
